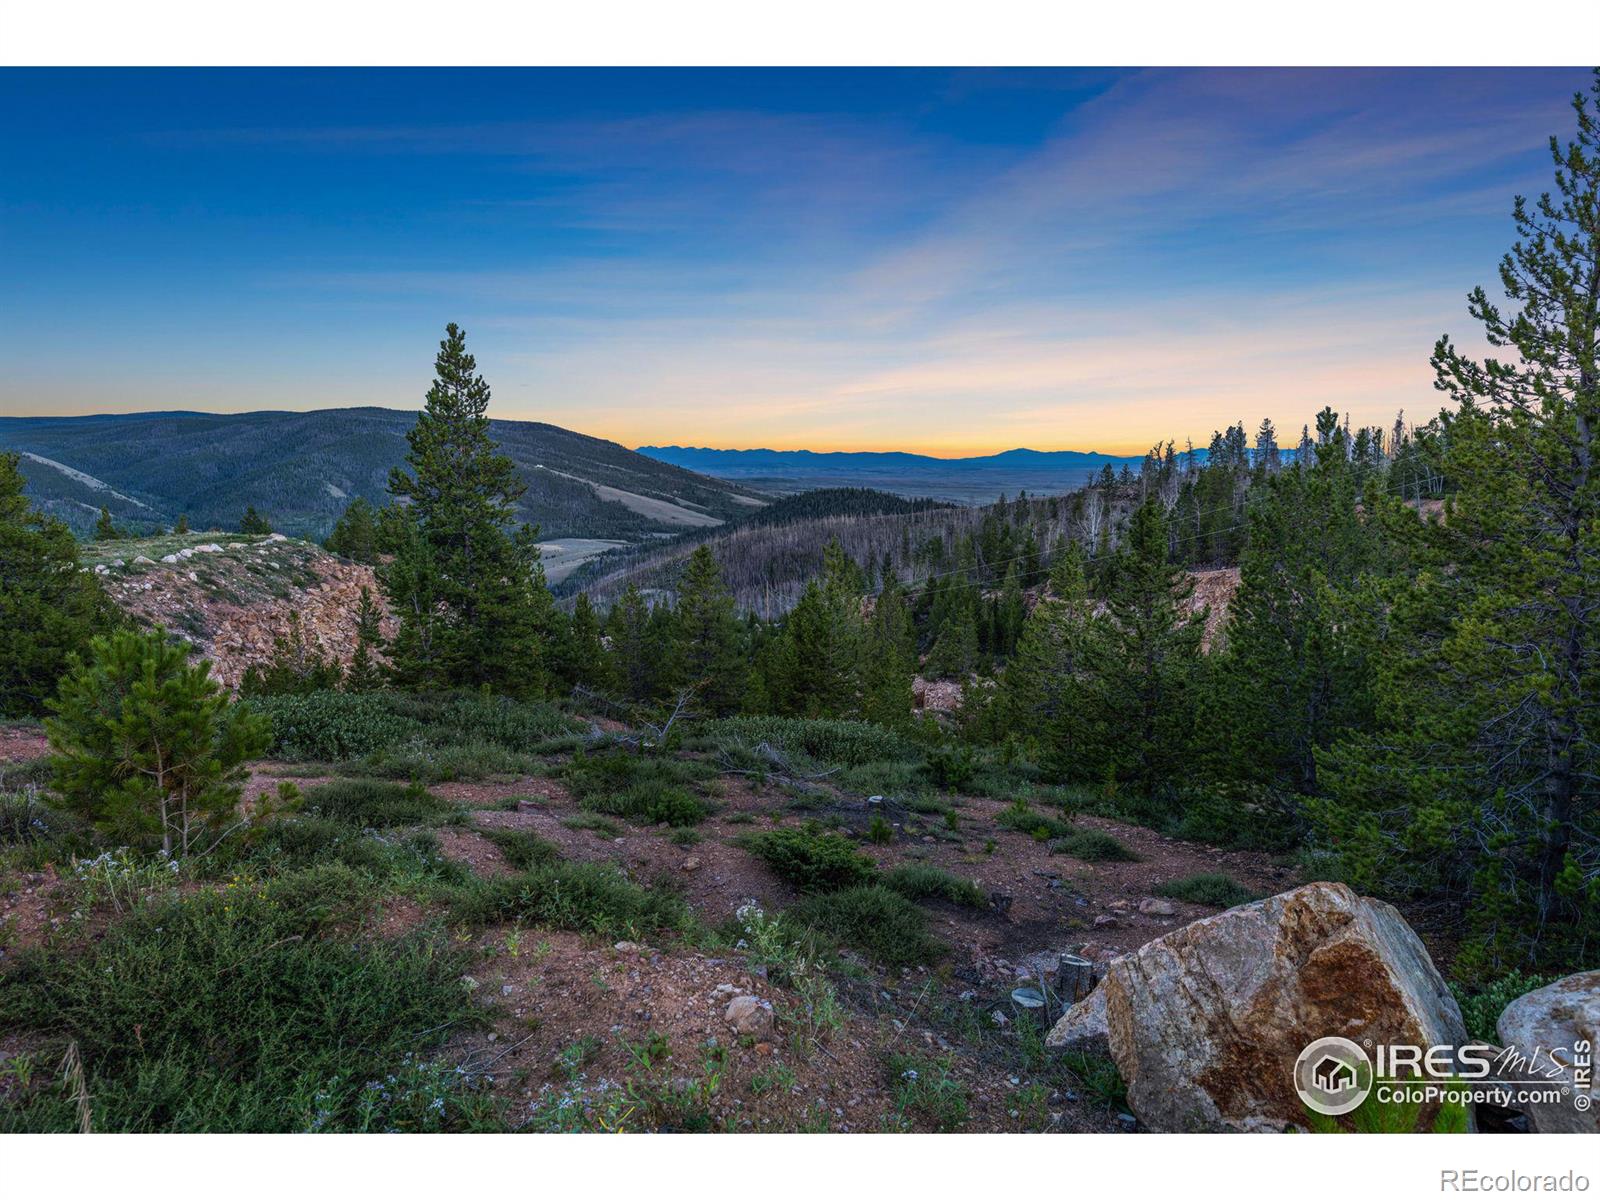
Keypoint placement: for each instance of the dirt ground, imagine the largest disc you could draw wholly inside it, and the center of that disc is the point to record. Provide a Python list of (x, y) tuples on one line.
[(570, 1017)]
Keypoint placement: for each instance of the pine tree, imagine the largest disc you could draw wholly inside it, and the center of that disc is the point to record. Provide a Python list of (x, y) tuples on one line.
[(890, 659), (365, 673), (295, 667), (1051, 690), (825, 635), (589, 661), (355, 533), (49, 608), (1154, 656), (1482, 780), (182, 527), (147, 744), (253, 522), (466, 583), (634, 650), (713, 660), (105, 530), (1297, 670)]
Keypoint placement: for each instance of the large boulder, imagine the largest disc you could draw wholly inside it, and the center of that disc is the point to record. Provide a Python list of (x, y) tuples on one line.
[(1206, 1023), (1545, 1027)]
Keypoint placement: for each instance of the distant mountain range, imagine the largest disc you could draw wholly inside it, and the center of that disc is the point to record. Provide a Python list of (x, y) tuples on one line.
[(300, 470), (975, 480)]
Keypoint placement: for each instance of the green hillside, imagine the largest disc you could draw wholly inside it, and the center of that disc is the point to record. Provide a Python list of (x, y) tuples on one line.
[(301, 469)]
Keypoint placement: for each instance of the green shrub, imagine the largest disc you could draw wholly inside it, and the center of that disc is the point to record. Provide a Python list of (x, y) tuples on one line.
[(1219, 891), (232, 1013), (1264, 822), (332, 893), (811, 859), (372, 804), (1022, 817), (29, 773), (1092, 845), (1481, 1006), (641, 787), (290, 844), (847, 743), (432, 735), (918, 881), (25, 820), (927, 1088), (333, 726), (521, 847), (952, 767), (879, 923), (880, 832), (652, 802), (585, 897)]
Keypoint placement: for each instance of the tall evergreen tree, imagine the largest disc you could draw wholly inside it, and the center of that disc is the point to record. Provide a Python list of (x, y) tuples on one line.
[(637, 656), (825, 635), (589, 662), (466, 583), (890, 659), (713, 660), (105, 529), (355, 533), (365, 673), (1154, 655), (1052, 690), (1485, 779), (1296, 672), (253, 522), (49, 609)]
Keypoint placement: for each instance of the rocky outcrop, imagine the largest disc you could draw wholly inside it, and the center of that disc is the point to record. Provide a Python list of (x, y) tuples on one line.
[(1544, 1028), (233, 601), (1205, 1023)]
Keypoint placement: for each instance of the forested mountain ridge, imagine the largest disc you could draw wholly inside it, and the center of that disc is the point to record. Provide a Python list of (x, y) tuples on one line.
[(973, 480), (301, 469)]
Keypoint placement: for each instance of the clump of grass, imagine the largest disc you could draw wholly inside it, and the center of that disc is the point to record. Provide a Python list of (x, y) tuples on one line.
[(811, 858), (880, 923), (684, 837), (237, 1013), (918, 881), (522, 848), (1092, 845), (852, 743), (1024, 818), (37, 833), (584, 897), (599, 826), (927, 1089), (880, 832), (1220, 891), (641, 787), (374, 804), (297, 843)]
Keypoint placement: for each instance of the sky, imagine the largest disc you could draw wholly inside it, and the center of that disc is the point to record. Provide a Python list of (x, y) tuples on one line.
[(943, 261)]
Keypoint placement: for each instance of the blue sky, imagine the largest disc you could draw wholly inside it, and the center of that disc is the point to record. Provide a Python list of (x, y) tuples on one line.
[(944, 261)]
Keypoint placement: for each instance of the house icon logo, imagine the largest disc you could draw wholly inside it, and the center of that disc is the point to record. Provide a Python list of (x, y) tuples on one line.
[(1333, 1076)]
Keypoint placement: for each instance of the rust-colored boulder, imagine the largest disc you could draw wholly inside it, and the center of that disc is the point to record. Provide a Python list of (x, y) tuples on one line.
[(1206, 1022)]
